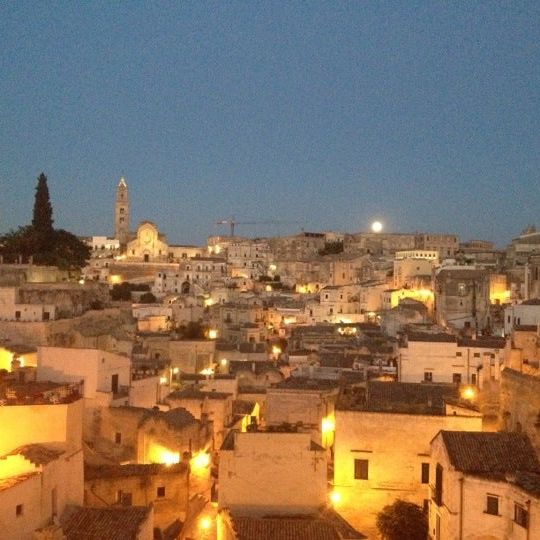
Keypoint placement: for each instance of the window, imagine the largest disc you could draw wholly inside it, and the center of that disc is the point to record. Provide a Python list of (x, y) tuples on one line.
[(428, 376), (361, 469), (476, 355), (19, 510), (492, 505), (17, 314), (456, 378), (473, 378), (521, 516), (161, 491), (118, 438), (124, 498), (425, 473)]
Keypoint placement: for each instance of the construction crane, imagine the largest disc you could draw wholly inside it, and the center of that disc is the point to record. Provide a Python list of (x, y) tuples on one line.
[(232, 223)]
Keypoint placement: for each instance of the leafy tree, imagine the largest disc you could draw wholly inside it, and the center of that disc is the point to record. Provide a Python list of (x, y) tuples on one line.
[(147, 298), (67, 251), (121, 291), (402, 520)]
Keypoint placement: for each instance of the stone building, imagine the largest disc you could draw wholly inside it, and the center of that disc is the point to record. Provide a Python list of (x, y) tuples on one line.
[(304, 402), (41, 461), (382, 444), (261, 473), (445, 358), (139, 435), (149, 245), (164, 487), (484, 485), (520, 404), (213, 405), (462, 298)]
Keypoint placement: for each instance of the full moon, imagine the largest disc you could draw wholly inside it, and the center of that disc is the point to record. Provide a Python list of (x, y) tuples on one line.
[(376, 226)]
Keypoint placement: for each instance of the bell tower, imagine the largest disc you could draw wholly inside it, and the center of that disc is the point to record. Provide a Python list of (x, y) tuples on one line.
[(121, 213)]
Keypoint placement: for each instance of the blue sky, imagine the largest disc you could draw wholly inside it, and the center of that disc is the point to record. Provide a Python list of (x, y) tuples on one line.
[(329, 114)]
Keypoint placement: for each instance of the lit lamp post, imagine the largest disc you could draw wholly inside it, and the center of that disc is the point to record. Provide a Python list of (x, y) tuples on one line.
[(469, 393)]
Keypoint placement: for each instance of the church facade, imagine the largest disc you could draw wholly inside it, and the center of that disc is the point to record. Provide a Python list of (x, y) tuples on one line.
[(149, 245)]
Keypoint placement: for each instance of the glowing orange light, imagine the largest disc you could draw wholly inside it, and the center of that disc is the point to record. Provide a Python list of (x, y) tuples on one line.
[(205, 523), (200, 460), (469, 392), (160, 454)]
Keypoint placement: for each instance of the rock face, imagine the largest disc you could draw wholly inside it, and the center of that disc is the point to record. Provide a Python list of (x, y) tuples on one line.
[(520, 404), (109, 329), (70, 299), (18, 274)]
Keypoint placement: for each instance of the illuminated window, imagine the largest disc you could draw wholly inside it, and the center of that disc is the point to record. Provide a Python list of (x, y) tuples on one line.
[(361, 469), (425, 473), (492, 505), (521, 516), (161, 491)]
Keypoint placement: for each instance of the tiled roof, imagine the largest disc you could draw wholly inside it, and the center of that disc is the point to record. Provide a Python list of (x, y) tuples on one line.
[(490, 454), (447, 338), (528, 481), (176, 418), (492, 342), (92, 472), (323, 526), (6, 483), (39, 454), (283, 528), (191, 392), (531, 302), (120, 523), (304, 383), (525, 327), (397, 397)]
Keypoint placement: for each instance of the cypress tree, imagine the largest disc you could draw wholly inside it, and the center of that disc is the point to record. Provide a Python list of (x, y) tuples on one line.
[(42, 220)]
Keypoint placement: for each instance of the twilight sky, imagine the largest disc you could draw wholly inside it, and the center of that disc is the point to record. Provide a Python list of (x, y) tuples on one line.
[(330, 114)]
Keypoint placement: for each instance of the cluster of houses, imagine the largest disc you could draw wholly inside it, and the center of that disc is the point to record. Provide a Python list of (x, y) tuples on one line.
[(272, 388)]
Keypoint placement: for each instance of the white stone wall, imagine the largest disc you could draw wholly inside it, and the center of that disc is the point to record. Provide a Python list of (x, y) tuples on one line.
[(272, 472), (395, 446)]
